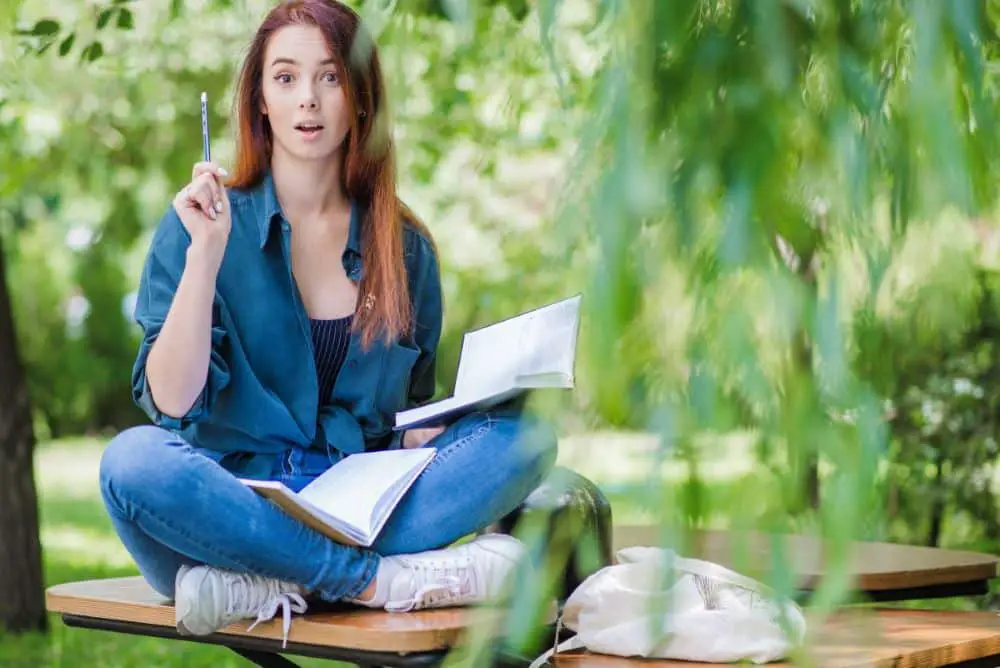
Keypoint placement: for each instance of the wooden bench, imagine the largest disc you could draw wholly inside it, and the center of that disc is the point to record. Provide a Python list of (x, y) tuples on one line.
[(375, 638), (363, 637), (882, 572), (870, 638), (861, 637)]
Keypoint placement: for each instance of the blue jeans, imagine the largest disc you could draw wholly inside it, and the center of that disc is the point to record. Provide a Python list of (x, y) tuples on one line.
[(173, 504)]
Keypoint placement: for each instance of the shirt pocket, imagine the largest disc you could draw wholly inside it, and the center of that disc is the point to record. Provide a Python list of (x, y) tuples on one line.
[(394, 381)]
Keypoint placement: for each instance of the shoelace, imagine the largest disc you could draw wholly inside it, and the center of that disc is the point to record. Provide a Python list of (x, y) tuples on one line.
[(439, 583), (250, 593), (289, 602)]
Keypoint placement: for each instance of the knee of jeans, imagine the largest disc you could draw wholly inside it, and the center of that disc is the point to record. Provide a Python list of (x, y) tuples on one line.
[(536, 442), (132, 462)]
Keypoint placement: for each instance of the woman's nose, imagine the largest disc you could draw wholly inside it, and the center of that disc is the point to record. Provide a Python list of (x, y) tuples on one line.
[(308, 99)]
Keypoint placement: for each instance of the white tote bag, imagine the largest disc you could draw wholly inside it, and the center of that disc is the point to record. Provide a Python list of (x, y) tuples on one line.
[(654, 604)]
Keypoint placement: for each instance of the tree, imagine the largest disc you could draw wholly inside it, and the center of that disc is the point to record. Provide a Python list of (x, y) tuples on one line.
[(22, 602), (22, 605)]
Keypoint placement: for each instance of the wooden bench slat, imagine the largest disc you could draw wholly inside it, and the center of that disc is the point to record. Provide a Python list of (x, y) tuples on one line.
[(132, 600), (877, 566), (882, 638)]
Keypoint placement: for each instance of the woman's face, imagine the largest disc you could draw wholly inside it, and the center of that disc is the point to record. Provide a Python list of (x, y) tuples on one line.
[(303, 97)]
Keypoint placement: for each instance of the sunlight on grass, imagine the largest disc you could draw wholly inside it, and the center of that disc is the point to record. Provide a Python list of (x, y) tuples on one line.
[(69, 468), (84, 547), (614, 458)]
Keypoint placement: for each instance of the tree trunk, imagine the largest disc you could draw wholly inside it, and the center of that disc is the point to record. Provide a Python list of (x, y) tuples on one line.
[(809, 465), (22, 603), (937, 503)]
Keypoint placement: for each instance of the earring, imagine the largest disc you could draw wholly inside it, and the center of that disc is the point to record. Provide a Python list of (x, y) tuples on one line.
[(362, 113)]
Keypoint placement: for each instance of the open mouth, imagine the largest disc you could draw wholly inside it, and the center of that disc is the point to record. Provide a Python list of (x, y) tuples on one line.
[(309, 129)]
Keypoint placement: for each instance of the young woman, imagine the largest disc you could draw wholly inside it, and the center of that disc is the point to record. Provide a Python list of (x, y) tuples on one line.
[(288, 313)]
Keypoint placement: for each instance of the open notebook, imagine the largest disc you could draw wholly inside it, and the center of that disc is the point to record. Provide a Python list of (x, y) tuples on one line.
[(533, 350), (352, 500)]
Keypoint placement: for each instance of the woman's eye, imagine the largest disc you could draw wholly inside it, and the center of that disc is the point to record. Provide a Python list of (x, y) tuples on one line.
[(283, 78), (330, 77)]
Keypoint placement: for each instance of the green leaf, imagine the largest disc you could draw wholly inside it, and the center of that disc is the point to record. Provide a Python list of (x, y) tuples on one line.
[(176, 6), (125, 21), (103, 19), (67, 44), (45, 27), (45, 47), (92, 52)]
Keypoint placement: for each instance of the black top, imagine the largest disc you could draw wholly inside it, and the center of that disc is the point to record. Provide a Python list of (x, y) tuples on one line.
[(330, 341)]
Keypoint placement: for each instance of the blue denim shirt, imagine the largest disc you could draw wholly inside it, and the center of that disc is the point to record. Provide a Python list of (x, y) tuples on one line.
[(261, 395)]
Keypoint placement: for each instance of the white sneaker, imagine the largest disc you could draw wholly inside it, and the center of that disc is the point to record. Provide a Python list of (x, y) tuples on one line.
[(474, 572), (207, 599)]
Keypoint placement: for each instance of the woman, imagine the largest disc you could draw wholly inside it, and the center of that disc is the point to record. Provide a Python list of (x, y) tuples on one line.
[(263, 356)]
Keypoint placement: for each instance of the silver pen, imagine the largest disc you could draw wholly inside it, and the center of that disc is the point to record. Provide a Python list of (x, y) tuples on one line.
[(206, 149)]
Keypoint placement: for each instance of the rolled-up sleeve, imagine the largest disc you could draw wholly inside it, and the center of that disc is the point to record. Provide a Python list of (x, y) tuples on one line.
[(429, 314), (161, 274)]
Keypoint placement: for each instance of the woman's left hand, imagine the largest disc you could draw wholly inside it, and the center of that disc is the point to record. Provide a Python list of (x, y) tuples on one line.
[(417, 438)]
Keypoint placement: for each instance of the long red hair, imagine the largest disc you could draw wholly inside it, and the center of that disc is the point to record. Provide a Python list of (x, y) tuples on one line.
[(368, 169)]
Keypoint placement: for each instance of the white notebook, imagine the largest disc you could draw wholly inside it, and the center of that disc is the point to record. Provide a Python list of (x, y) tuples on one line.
[(533, 350), (352, 500)]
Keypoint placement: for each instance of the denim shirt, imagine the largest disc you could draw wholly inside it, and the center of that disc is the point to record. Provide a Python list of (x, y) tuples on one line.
[(261, 395)]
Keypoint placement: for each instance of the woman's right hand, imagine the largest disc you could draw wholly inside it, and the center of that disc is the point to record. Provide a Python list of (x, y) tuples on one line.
[(203, 208)]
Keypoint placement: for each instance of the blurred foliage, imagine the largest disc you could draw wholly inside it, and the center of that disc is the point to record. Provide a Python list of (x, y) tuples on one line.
[(781, 212)]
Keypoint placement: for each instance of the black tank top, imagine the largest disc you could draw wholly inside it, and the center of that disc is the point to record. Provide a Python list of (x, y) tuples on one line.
[(330, 342)]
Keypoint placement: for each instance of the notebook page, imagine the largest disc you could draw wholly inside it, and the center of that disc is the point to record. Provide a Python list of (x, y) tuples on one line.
[(548, 344), (417, 416), (384, 504), (490, 359), (352, 489), (422, 412)]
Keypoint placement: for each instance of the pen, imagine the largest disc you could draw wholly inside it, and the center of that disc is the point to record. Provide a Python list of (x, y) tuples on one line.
[(205, 148)]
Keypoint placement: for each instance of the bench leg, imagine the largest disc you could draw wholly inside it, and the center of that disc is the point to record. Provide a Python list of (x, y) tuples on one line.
[(264, 659)]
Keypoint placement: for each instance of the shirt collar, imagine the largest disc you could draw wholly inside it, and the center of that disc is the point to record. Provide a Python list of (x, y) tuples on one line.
[(265, 199)]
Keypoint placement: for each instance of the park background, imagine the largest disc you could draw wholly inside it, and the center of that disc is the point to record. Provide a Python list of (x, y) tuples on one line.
[(782, 215)]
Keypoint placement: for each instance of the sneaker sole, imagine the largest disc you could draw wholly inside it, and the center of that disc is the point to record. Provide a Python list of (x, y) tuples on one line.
[(182, 628)]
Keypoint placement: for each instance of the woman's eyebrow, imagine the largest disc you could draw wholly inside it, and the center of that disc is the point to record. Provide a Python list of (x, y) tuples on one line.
[(292, 61)]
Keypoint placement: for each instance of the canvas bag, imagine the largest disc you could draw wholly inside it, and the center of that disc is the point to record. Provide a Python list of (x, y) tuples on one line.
[(712, 614)]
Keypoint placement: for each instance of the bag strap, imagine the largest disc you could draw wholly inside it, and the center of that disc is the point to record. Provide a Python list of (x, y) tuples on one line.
[(566, 645), (570, 643), (716, 572)]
